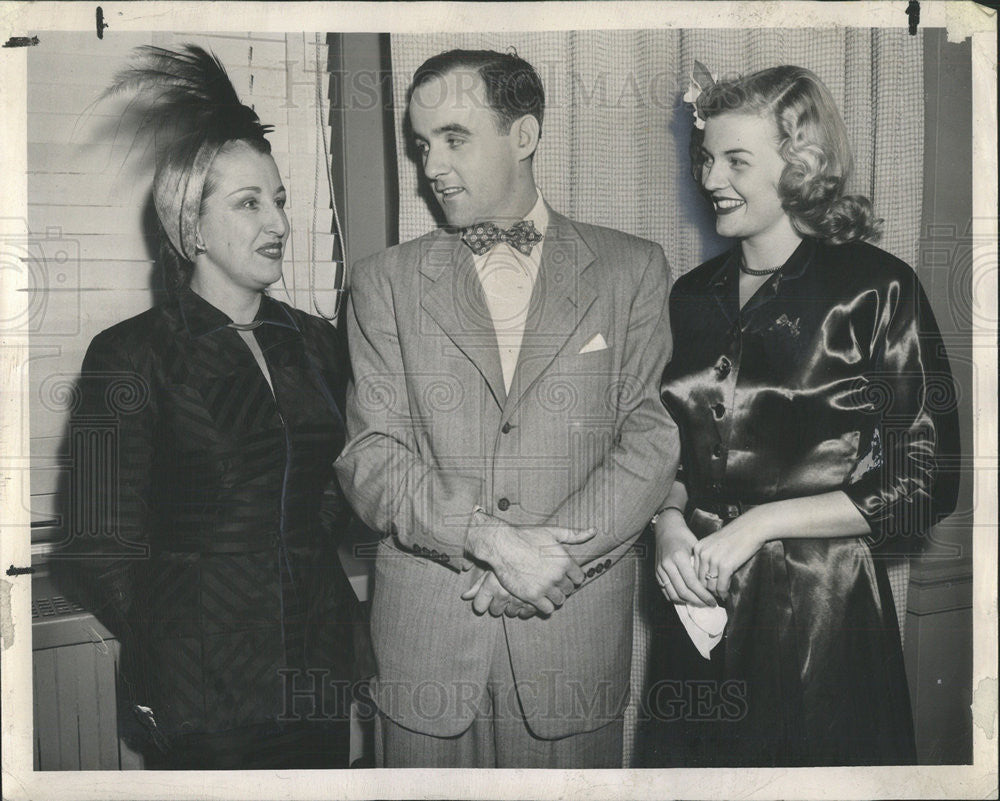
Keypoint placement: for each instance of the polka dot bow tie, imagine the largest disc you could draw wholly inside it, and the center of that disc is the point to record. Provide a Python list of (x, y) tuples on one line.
[(481, 237)]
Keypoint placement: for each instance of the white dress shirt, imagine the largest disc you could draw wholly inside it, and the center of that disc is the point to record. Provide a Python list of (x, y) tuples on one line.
[(508, 278)]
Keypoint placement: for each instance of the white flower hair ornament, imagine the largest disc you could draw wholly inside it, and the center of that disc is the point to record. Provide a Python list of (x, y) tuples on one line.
[(701, 79)]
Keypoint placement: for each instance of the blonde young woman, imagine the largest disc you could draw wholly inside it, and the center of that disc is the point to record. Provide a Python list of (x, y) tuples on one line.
[(815, 404)]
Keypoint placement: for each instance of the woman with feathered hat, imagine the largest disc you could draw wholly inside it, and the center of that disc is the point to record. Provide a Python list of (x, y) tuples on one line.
[(238, 625)]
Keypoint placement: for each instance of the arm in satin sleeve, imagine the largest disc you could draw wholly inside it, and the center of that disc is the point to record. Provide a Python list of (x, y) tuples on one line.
[(621, 494), (107, 499), (391, 486), (912, 385)]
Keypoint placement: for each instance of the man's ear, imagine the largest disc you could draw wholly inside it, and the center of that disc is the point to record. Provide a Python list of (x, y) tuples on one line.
[(527, 130)]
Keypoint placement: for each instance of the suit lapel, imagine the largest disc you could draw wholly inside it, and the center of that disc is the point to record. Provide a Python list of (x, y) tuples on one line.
[(563, 293), (450, 292)]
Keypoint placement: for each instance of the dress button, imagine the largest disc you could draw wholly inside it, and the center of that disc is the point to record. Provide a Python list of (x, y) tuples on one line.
[(505, 429), (718, 450), (503, 504), (719, 411), (600, 567), (607, 563), (590, 573)]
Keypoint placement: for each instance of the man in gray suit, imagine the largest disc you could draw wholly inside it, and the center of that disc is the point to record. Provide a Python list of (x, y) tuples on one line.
[(507, 438)]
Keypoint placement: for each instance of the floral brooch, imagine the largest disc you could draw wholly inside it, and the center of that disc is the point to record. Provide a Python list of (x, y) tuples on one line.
[(791, 326)]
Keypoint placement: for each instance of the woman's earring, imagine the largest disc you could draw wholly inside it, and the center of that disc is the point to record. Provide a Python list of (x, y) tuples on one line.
[(199, 249)]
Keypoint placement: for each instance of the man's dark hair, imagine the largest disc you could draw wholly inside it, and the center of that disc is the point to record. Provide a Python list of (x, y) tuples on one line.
[(513, 88)]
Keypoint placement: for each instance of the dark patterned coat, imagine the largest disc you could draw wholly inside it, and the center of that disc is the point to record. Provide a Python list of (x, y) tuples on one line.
[(214, 508)]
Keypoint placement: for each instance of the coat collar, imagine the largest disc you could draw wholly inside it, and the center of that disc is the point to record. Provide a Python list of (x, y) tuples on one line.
[(725, 283), (200, 317), (452, 295), (564, 291)]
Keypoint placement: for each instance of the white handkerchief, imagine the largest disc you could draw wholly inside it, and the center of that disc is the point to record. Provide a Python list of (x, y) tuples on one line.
[(596, 343), (704, 625)]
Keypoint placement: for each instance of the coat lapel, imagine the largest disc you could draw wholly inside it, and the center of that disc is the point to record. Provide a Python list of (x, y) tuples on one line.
[(792, 270), (450, 292), (563, 293), (724, 286)]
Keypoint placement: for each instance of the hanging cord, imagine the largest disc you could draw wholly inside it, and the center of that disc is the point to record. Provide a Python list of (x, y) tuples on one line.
[(339, 242)]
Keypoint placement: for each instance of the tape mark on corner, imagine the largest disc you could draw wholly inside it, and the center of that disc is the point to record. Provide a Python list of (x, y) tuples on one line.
[(6, 618), (984, 706)]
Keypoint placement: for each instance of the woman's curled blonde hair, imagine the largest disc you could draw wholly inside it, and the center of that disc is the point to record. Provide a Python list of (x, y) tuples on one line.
[(812, 140)]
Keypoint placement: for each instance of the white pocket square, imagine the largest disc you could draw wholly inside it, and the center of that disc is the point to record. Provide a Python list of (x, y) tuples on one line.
[(596, 343)]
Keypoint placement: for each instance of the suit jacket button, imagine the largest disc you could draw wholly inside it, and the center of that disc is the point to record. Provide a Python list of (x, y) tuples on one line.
[(503, 504), (718, 450), (505, 429), (719, 411)]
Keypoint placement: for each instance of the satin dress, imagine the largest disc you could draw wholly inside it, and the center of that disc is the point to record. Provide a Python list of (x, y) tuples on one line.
[(208, 506), (833, 376)]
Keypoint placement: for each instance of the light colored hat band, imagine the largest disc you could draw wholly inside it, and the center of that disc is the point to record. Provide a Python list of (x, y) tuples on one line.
[(177, 193)]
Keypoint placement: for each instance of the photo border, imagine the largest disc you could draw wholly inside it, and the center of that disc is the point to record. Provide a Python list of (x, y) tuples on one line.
[(19, 780)]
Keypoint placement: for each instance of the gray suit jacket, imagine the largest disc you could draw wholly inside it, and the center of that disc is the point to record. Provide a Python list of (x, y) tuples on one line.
[(581, 440)]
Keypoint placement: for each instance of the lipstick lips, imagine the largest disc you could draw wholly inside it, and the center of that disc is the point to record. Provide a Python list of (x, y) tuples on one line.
[(732, 204), (271, 251)]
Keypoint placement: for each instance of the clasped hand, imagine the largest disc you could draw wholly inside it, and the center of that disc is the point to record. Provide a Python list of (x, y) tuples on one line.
[(529, 569), (697, 572)]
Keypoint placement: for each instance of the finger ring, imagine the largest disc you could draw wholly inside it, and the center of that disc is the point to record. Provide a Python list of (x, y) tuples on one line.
[(711, 575)]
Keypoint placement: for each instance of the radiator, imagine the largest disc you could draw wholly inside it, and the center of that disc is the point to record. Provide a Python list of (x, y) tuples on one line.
[(74, 678)]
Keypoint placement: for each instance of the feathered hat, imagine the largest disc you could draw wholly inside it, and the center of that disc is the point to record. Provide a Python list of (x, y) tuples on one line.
[(187, 100)]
